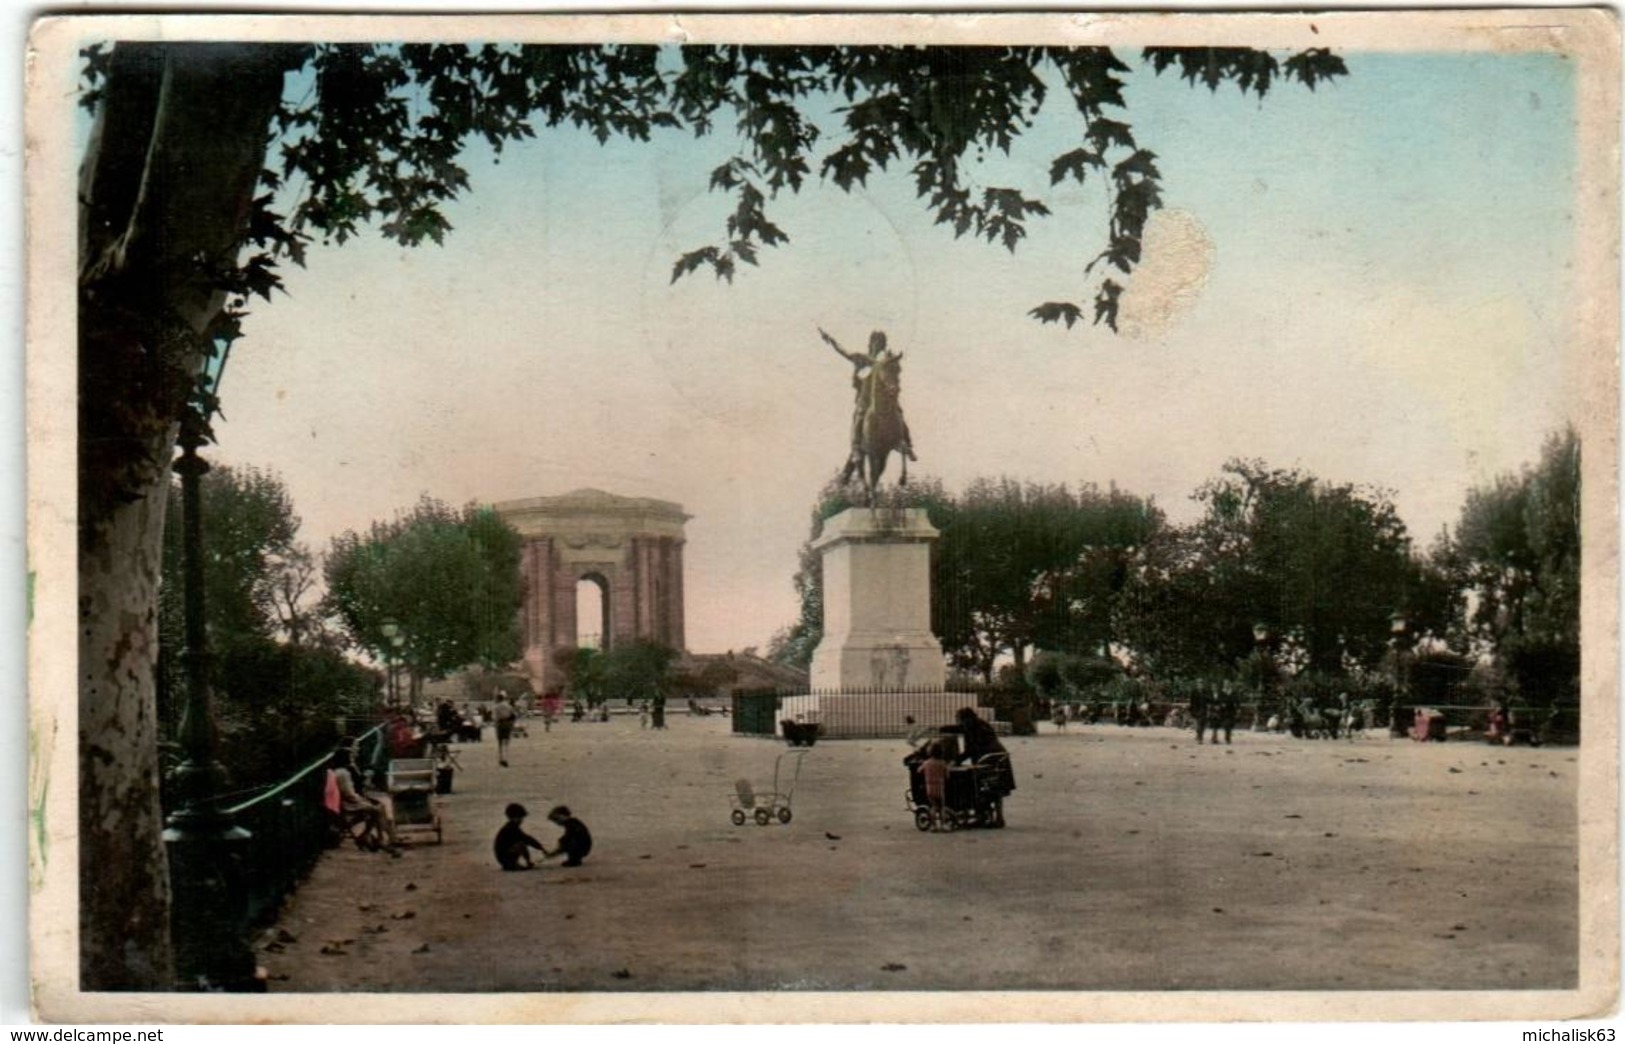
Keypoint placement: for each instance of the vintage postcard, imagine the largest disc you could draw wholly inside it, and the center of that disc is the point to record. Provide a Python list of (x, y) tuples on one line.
[(807, 518)]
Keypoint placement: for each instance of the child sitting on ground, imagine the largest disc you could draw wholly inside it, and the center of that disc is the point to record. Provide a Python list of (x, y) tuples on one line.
[(513, 845), (575, 842)]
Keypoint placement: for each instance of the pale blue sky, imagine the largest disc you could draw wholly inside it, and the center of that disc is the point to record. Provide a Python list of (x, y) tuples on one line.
[(1373, 283)]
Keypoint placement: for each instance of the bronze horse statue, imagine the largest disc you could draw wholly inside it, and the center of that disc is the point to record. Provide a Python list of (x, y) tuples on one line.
[(878, 427)]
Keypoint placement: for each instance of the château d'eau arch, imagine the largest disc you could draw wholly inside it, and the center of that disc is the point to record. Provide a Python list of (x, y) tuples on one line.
[(631, 547)]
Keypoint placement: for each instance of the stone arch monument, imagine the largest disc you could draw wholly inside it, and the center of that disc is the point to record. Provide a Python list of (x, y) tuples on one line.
[(632, 547)]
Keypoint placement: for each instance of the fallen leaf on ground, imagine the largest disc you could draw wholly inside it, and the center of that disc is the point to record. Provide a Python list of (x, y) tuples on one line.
[(893, 966), (404, 915)]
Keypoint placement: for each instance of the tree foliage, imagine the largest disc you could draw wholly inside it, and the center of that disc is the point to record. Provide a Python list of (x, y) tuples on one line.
[(249, 545), (277, 682), (1516, 550), (1027, 565), (448, 580), (1322, 567)]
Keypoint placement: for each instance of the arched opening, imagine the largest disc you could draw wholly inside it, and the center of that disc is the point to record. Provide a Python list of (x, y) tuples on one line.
[(592, 612)]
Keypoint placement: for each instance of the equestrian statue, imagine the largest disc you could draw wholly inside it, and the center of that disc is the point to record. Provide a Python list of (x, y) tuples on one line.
[(878, 427)]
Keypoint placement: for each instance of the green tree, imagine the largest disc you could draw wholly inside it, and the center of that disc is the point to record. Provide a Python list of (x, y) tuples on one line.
[(1322, 566), (1516, 550), (636, 670), (249, 546), (448, 580), (183, 220), (1034, 566)]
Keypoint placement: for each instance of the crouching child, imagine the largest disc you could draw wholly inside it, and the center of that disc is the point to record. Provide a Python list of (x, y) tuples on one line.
[(513, 845), (575, 842)]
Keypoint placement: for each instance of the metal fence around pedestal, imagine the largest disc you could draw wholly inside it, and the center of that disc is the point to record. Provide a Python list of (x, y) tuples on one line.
[(875, 713)]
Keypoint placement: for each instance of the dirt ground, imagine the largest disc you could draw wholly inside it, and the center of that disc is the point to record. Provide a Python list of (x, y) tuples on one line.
[(1133, 860)]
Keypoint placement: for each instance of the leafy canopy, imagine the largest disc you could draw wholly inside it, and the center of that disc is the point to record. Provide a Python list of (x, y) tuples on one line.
[(377, 136), (448, 580)]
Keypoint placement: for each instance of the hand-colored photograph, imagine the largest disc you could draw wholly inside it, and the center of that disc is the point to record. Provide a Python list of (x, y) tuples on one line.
[(602, 512)]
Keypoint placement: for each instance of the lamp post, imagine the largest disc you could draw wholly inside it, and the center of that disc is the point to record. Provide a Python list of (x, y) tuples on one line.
[(392, 635), (1261, 644), (209, 911), (1399, 638), (398, 640)]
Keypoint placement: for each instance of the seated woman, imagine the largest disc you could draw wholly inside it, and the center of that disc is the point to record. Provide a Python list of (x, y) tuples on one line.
[(378, 814)]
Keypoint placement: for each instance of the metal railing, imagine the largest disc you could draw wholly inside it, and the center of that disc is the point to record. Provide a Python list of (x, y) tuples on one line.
[(289, 829), (874, 713)]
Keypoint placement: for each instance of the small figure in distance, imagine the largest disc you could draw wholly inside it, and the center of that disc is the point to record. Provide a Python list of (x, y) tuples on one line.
[(504, 714), (575, 842), (513, 845)]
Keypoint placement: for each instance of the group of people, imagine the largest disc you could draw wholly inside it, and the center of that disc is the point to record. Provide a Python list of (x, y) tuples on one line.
[(1214, 711)]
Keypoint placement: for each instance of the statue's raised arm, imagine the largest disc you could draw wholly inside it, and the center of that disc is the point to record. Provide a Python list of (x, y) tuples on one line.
[(852, 357)]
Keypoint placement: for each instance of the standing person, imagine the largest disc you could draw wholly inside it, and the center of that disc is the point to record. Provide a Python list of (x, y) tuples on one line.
[(934, 771), (1228, 710), (512, 845), (504, 714), (575, 842), (1199, 710)]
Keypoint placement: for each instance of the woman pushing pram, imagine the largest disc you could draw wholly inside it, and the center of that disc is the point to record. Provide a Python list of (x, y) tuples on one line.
[(978, 779)]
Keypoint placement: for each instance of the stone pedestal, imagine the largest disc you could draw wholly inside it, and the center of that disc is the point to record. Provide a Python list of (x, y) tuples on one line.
[(877, 604)]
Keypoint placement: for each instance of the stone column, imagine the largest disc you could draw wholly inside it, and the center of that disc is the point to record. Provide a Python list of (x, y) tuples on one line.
[(877, 604), (538, 613), (674, 595)]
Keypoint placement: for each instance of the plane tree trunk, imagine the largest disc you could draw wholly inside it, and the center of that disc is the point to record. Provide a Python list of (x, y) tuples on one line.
[(165, 191)]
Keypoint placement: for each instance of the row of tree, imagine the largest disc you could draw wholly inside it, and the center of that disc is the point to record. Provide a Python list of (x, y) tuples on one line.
[(445, 582), (1324, 576)]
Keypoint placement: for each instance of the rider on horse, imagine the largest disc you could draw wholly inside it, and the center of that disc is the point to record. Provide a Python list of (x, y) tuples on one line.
[(874, 384)]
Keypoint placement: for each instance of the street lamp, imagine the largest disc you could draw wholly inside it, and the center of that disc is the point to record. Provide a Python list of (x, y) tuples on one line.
[(1399, 638), (398, 640), (1261, 642), (392, 635), (209, 912)]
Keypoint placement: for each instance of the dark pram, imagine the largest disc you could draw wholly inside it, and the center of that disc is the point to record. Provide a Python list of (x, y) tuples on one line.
[(975, 794)]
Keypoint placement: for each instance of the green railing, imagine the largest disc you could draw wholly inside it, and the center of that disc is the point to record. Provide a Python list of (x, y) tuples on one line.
[(289, 829)]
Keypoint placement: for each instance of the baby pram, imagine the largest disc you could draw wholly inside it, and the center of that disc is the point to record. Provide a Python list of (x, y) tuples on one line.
[(975, 794), (766, 806)]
